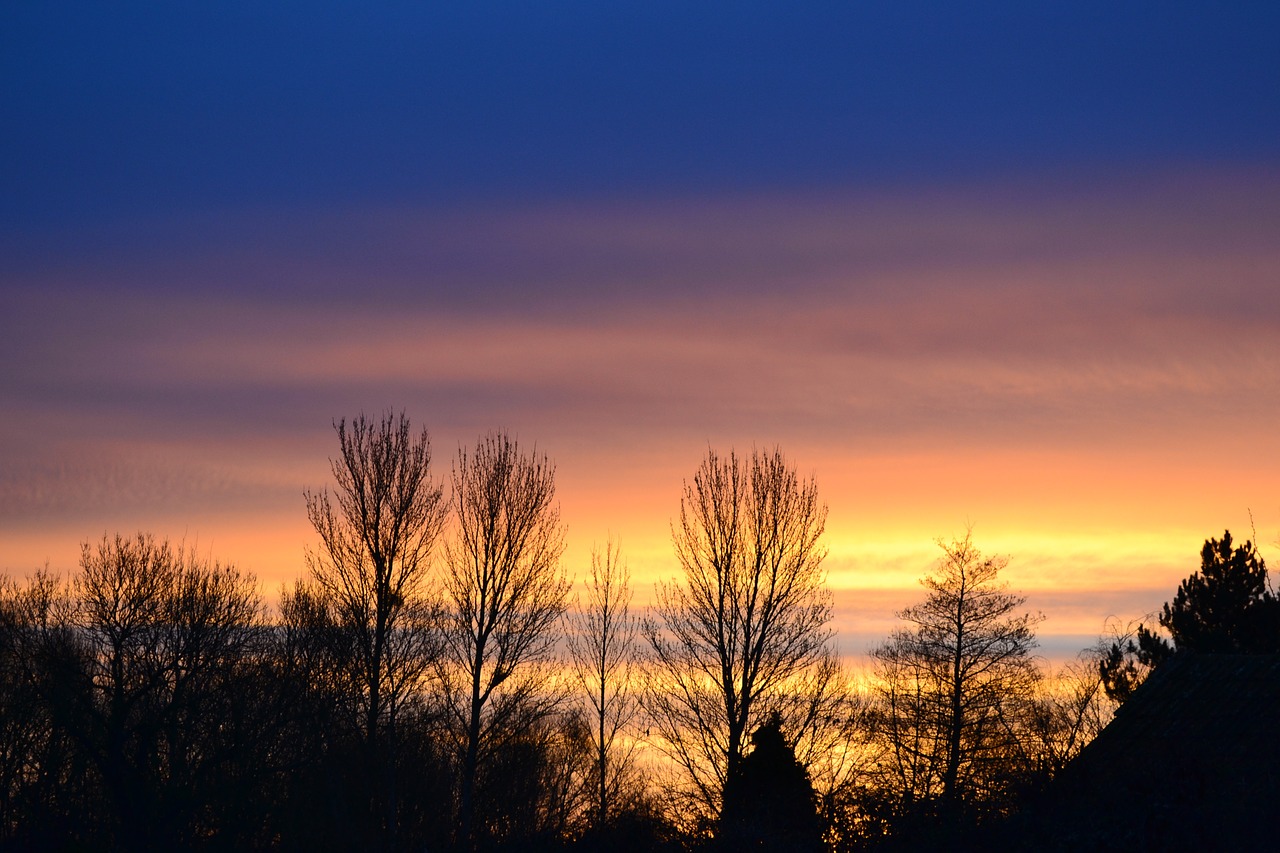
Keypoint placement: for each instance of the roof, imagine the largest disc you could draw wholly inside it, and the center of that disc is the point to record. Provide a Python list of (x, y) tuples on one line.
[(1190, 762)]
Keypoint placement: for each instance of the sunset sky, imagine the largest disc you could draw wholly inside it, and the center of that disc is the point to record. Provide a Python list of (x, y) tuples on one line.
[(1009, 265)]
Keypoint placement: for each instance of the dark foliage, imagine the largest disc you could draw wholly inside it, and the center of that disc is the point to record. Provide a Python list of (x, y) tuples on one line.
[(1227, 607), (636, 827), (769, 802), (149, 702), (140, 687)]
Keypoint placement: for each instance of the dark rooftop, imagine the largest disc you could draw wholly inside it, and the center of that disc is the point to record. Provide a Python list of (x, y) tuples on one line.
[(1190, 762)]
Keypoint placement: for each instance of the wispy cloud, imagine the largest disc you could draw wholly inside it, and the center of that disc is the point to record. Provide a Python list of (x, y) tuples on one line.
[(1082, 362)]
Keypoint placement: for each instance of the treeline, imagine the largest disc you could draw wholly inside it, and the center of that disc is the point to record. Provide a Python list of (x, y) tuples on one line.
[(433, 684)]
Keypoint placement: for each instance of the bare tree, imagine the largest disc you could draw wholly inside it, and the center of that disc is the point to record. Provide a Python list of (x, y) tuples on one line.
[(739, 636), (954, 683), (162, 634), (602, 649), (536, 782), (504, 596), (1071, 708), (40, 777), (376, 534), (377, 531)]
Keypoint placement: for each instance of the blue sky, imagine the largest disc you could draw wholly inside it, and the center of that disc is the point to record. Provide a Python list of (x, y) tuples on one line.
[(158, 109)]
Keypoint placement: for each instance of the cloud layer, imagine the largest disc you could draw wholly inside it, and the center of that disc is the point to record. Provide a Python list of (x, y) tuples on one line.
[(1059, 365)]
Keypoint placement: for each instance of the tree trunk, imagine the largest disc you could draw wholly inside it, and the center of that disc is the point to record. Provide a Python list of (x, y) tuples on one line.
[(950, 781), (602, 816), (472, 755)]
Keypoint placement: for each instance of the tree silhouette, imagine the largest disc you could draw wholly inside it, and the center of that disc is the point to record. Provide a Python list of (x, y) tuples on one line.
[(146, 670), (151, 702), (1069, 711), (954, 686), (769, 802), (1227, 607), (50, 794), (377, 531), (746, 633), (505, 594), (602, 652)]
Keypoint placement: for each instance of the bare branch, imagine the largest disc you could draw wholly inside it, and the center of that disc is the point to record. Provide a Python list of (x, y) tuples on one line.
[(748, 622), (504, 596)]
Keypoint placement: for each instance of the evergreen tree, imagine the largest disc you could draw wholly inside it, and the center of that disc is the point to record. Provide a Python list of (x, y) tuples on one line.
[(1228, 607), (769, 802)]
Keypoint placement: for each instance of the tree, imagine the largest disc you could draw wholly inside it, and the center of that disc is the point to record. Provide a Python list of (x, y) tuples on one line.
[(47, 796), (602, 646), (152, 689), (377, 532), (504, 596), (136, 689), (536, 784), (769, 802), (1121, 664), (1069, 711), (953, 684), (737, 638), (1227, 607)]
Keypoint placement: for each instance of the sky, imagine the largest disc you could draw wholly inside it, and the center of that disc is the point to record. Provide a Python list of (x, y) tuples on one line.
[(1008, 267)]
